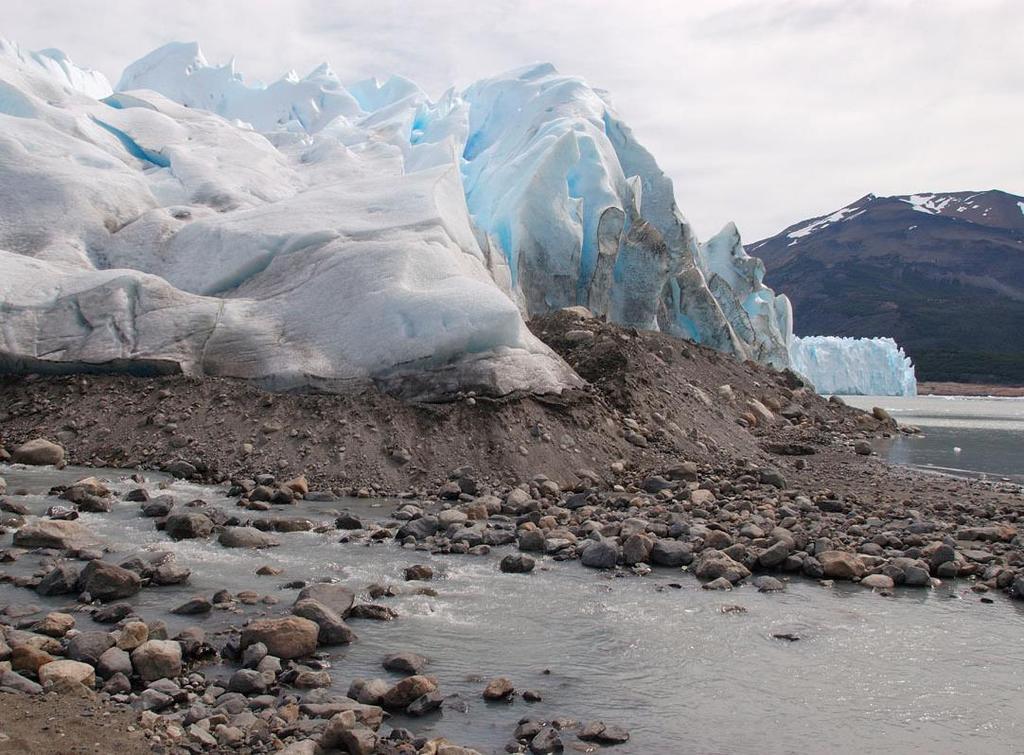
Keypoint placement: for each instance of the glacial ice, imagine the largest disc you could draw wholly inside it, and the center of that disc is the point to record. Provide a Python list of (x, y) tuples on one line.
[(307, 234), (854, 366)]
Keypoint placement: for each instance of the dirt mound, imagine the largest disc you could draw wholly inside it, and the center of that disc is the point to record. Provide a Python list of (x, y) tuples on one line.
[(651, 400)]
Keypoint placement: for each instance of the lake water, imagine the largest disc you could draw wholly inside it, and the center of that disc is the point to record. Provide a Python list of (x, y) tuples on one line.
[(924, 671), (961, 435)]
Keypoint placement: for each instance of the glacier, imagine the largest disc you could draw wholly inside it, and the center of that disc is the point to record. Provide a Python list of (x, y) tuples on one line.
[(311, 234), (854, 366)]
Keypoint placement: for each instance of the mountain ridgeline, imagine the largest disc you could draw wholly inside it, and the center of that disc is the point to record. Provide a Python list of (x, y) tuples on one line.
[(943, 274)]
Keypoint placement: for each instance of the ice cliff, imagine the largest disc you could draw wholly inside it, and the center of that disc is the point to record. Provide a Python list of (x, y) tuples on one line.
[(854, 366), (306, 233)]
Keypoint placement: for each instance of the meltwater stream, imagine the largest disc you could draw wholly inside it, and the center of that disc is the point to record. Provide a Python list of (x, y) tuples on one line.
[(920, 672)]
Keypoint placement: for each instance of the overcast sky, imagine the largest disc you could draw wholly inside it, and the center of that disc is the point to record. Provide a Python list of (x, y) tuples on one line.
[(762, 112)]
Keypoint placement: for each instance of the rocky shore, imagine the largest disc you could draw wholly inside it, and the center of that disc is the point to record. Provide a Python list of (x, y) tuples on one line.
[(673, 458)]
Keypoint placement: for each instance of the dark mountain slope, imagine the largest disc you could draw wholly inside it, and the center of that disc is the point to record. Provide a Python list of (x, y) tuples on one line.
[(943, 274)]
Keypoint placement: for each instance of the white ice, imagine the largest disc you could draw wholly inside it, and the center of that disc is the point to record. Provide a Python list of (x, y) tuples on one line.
[(854, 366)]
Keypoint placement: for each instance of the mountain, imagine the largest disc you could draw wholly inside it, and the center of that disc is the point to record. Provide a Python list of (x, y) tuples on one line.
[(943, 274)]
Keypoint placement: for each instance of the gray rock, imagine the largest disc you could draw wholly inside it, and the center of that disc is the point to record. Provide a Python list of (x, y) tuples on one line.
[(246, 537), (89, 647), (517, 563), (188, 525), (600, 554), (404, 662), (420, 529), (425, 704), (61, 580), (336, 597), (106, 582), (714, 564), (195, 606), (331, 629), (157, 659), (673, 553), (114, 661), (38, 452)]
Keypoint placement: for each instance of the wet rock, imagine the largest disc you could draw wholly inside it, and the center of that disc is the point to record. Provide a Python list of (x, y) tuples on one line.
[(106, 582), (373, 611), (420, 528), (841, 565), (66, 674), (531, 540), (288, 637), (404, 662), (336, 597), (331, 629), (61, 580), (425, 704), (418, 572), (188, 525), (499, 688), (347, 521), (113, 613), (268, 571), (171, 573), (38, 452), (546, 741), (600, 554), (246, 537), (672, 553), (597, 731), (714, 564), (157, 659), (368, 691), (517, 563), (404, 692), (862, 448), (159, 506), (532, 696), (57, 534), (195, 606), (769, 584), (719, 583), (878, 582)]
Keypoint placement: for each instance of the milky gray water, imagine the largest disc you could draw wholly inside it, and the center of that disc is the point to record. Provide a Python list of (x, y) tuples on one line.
[(961, 435), (920, 672)]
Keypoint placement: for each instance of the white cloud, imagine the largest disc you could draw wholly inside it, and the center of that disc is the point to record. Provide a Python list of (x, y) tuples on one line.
[(765, 113)]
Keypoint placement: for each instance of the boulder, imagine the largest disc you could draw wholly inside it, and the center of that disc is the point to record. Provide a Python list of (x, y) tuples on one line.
[(60, 580), (403, 693), (65, 674), (157, 659), (88, 647), (332, 630), (841, 565), (38, 452), (60, 534), (106, 582), (600, 554), (673, 553), (418, 572), (517, 563), (499, 688), (714, 564), (286, 638), (404, 663), (114, 661), (55, 624), (336, 597), (246, 537), (188, 525), (878, 582)]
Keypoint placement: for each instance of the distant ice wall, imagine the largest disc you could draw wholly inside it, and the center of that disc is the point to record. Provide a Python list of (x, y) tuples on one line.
[(854, 366)]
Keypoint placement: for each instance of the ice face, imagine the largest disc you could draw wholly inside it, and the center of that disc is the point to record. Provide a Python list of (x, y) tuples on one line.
[(854, 366), (305, 233)]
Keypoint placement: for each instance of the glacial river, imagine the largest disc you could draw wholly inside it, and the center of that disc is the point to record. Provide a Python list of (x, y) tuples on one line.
[(924, 671), (962, 435)]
